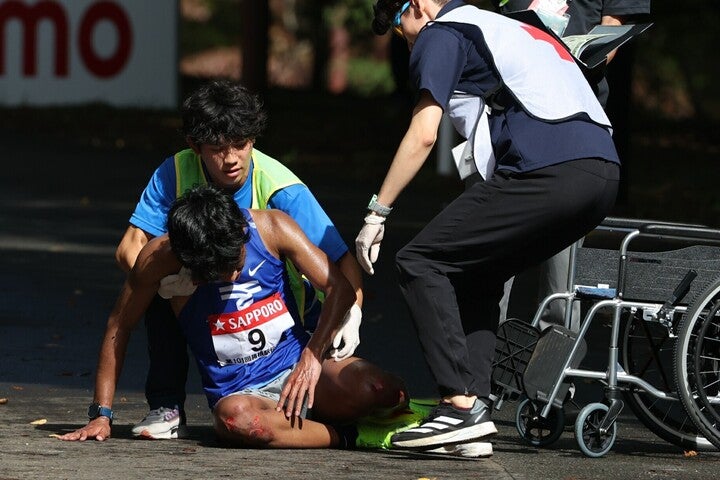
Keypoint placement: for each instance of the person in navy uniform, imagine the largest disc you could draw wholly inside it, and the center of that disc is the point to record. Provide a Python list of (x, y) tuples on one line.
[(542, 144)]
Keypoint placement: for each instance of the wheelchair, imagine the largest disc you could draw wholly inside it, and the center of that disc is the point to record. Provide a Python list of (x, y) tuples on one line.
[(657, 286)]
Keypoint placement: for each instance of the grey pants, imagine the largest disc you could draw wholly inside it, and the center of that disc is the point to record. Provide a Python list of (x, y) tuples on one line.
[(552, 278)]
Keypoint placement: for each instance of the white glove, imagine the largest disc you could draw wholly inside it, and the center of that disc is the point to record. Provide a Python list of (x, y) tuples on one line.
[(367, 243), (349, 333), (178, 285)]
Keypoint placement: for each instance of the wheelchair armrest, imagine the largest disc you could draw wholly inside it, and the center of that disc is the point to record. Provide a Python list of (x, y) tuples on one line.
[(639, 223), (649, 229), (680, 231)]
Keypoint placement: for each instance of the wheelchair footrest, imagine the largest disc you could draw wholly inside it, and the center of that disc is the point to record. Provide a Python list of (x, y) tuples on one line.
[(515, 344), (546, 364)]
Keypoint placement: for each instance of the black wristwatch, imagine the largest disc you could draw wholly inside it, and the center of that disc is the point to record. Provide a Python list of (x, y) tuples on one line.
[(96, 410)]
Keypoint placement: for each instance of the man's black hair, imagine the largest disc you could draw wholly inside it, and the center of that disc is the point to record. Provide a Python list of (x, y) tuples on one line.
[(222, 113), (207, 233)]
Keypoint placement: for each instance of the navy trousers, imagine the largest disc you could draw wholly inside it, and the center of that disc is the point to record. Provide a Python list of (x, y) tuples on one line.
[(169, 360), (452, 273)]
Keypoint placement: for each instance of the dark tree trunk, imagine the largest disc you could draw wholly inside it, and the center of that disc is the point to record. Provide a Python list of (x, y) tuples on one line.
[(254, 42)]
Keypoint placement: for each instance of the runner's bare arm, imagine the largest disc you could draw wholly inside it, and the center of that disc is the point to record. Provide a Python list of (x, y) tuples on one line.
[(132, 242), (154, 262), (283, 237)]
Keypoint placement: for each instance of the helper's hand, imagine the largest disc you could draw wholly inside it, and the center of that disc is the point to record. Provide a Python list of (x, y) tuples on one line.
[(99, 429), (367, 243), (349, 334), (178, 285), (301, 383)]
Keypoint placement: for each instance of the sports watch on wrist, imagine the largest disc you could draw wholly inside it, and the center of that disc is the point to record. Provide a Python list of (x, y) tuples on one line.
[(96, 410), (379, 208)]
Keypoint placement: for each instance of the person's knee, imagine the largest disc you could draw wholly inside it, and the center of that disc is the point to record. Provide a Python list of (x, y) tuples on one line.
[(239, 420), (401, 260), (389, 390), (409, 263), (379, 391)]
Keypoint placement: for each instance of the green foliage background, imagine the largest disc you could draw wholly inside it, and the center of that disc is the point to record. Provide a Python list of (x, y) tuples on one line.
[(671, 166), (679, 55), (676, 59)]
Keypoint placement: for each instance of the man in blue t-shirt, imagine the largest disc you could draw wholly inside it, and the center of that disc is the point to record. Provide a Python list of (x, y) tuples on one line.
[(221, 121), (540, 139)]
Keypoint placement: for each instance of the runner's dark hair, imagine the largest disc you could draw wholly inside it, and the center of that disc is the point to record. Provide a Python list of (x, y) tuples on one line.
[(207, 233)]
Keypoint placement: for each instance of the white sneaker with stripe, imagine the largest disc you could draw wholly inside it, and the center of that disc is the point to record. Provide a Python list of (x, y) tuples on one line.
[(469, 449), (447, 424)]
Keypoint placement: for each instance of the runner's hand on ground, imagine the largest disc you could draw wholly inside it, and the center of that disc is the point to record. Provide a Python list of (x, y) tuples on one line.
[(98, 429)]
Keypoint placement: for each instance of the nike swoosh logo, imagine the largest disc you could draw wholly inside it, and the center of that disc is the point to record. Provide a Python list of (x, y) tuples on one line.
[(253, 271)]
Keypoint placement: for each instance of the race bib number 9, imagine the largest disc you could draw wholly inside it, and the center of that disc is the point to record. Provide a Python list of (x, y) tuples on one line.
[(253, 332)]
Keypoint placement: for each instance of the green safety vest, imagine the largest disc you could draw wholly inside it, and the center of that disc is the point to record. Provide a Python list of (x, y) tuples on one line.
[(268, 176)]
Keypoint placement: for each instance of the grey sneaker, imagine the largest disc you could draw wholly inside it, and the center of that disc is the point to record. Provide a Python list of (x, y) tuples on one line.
[(161, 424), (468, 449), (446, 424)]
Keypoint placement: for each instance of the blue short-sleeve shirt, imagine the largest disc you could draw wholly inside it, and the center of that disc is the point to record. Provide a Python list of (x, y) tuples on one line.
[(152, 210)]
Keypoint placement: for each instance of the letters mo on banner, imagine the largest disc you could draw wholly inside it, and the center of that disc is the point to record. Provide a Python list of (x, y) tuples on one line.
[(62, 52)]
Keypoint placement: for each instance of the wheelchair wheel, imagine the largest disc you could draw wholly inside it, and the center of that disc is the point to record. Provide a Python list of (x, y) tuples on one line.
[(707, 364), (536, 430), (647, 352), (592, 440), (697, 362)]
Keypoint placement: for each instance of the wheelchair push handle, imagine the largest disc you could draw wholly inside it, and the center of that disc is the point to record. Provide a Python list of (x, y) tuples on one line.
[(682, 289), (678, 294)]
